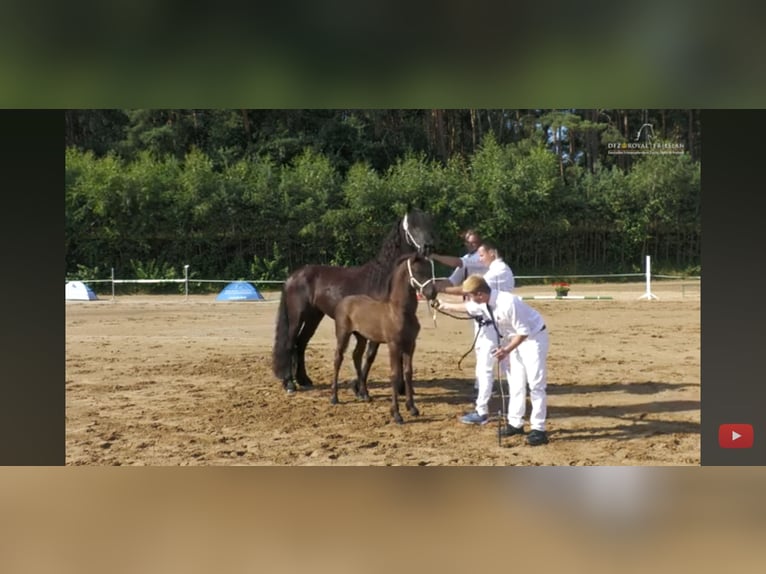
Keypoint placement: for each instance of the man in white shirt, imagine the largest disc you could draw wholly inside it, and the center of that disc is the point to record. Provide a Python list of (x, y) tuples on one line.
[(524, 341), (468, 264), (498, 275)]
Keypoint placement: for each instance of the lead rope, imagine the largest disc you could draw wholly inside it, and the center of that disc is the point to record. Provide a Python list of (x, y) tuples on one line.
[(498, 377), (448, 314), (473, 345)]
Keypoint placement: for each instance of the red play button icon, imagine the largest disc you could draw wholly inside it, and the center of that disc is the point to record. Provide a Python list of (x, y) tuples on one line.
[(735, 436)]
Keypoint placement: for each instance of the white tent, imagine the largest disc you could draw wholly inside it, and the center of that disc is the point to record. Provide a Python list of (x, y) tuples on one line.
[(79, 291)]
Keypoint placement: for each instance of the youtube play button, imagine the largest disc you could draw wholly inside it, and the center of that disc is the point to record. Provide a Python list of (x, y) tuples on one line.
[(735, 436)]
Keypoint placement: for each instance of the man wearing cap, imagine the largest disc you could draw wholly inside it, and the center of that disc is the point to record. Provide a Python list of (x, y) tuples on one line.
[(524, 341)]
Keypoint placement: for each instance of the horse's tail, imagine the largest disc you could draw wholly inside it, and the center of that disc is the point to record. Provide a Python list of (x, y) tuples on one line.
[(282, 357)]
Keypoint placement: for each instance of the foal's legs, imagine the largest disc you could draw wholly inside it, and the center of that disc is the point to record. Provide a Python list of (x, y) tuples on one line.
[(372, 350), (395, 356), (360, 383), (311, 320), (340, 349), (407, 375)]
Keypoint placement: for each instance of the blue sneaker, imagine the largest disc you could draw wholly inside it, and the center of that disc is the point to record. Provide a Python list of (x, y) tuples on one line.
[(474, 418)]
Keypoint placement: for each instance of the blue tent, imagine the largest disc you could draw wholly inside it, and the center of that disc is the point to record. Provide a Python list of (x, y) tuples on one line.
[(239, 291)]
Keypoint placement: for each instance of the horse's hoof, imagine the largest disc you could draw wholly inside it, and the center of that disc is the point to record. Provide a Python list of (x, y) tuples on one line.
[(333, 400), (398, 419), (306, 383), (363, 397), (289, 386), (414, 411)]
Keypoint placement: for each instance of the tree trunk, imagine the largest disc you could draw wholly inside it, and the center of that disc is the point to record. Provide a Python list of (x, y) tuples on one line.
[(438, 137), (246, 124), (691, 133)]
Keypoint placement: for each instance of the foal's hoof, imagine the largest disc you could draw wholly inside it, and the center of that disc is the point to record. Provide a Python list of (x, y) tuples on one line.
[(289, 386), (398, 419), (414, 411), (363, 397), (333, 400)]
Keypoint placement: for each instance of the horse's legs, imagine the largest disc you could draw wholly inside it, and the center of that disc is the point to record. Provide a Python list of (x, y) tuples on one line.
[(360, 384), (395, 357), (340, 349), (311, 320), (407, 375), (295, 323), (372, 351)]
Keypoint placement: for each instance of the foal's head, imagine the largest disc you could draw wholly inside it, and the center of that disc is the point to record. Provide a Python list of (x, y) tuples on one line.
[(416, 272)]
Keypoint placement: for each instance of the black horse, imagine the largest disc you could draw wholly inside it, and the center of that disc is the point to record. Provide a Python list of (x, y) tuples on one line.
[(313, 291)]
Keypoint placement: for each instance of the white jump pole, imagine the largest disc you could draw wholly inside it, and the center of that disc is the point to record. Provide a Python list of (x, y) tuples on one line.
[(648, 295), (572, 297), (186, 280)]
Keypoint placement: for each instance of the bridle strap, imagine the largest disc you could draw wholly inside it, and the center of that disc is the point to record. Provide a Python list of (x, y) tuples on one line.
[(420, 286), (417, 284), (410, 238)]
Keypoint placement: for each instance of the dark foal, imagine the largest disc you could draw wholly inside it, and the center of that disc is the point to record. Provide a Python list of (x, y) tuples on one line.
[(392, 320)]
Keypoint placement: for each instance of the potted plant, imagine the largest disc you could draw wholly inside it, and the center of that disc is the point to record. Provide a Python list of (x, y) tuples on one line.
[(562, 289)]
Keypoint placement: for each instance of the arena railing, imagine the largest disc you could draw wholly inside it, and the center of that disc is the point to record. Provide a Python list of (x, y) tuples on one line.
[(647, 274)]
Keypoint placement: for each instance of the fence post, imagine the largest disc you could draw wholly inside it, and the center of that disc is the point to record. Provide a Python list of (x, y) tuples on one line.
[(648, 295), (112, 284), (186, 281)]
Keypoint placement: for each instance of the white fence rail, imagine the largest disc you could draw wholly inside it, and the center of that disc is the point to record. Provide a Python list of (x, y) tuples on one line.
[(647, 275)]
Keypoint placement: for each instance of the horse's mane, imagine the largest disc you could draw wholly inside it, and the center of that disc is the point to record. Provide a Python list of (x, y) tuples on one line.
[(392, 246), (378, 271)]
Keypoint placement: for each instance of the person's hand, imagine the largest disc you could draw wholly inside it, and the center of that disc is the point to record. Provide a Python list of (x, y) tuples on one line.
[(500, 353), (435, 303)]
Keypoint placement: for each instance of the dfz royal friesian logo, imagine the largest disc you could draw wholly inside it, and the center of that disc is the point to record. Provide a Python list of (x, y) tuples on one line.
[(645, 143)]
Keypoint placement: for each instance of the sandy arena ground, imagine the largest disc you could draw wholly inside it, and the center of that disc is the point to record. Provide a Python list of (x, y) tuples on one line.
[(166, 381)]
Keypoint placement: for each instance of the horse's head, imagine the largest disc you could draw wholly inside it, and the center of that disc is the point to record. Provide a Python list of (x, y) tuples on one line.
[(418, 229)]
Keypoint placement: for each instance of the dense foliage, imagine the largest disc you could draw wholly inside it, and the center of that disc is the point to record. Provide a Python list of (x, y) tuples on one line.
[(254, 194)]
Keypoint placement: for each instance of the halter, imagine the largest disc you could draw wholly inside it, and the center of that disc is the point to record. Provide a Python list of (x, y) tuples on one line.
[(414, 282), (410, 238)]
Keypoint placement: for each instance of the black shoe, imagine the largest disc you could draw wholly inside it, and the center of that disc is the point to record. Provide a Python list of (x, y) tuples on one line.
[(537, 437), (509, 430)]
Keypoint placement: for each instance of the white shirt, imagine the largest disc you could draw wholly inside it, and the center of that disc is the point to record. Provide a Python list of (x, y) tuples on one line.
[(499, 276), (515, 317), (487, 333), (471, 265)]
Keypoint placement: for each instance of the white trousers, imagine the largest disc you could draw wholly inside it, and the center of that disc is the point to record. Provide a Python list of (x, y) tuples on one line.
[(485, 374), (528, 366)]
